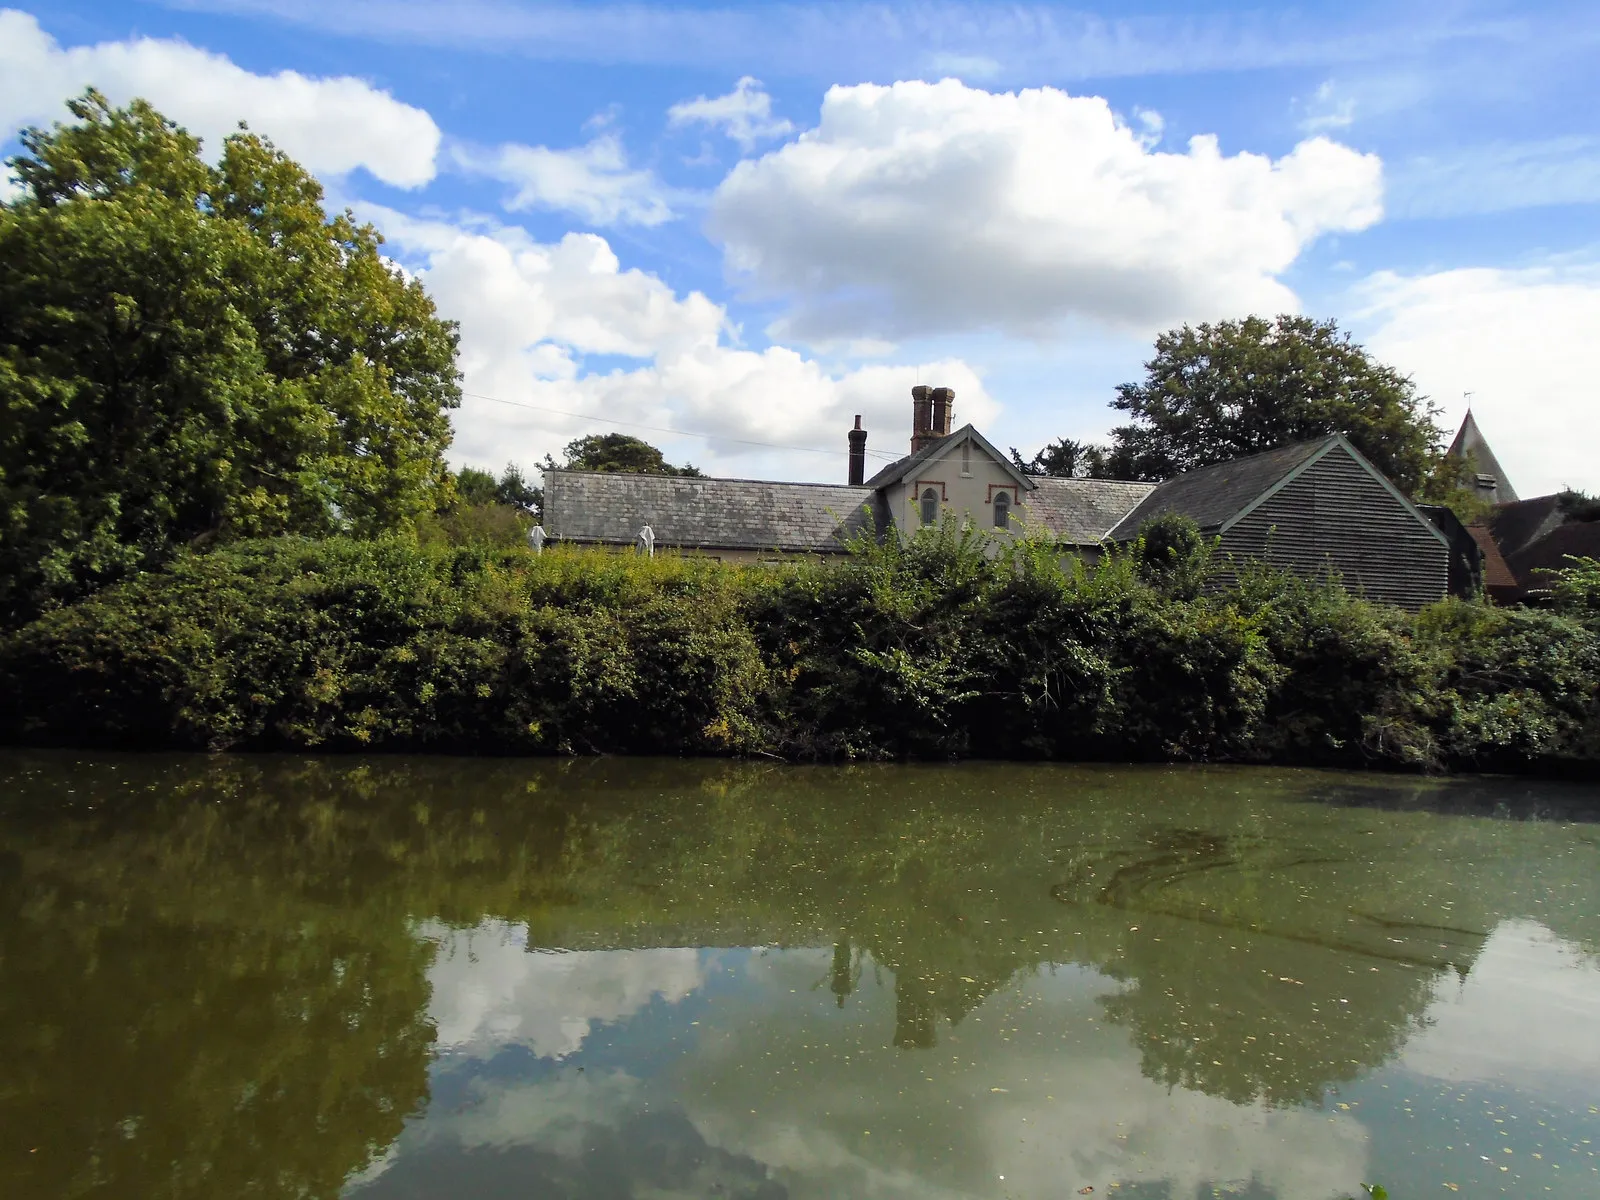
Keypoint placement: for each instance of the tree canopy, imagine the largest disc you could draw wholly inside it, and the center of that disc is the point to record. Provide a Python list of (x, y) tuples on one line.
[(618, 453), (191, 352), (475, 487), (1216, 392), (1064, 459)]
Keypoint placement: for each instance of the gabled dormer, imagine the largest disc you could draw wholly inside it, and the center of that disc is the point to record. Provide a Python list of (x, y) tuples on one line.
[(958, 473)]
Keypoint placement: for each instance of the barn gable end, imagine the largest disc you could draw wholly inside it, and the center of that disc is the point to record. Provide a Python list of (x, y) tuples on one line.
[(1336, 514)]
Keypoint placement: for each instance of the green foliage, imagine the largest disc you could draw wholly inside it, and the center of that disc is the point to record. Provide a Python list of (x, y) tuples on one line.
[(1577, 589), (485, 511), (950, 644), (492, 524), (618, 453), (341, 644), (1173, 556), (475, 487), (1579, 506), (1216, 392), (192, 353), (1065, 459)]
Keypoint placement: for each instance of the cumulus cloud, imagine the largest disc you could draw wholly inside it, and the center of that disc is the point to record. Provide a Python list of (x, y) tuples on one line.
[(534, 316), (744, 114), (593, 181), (1518, 340), (332, 126), (922, 208), (488, 990)]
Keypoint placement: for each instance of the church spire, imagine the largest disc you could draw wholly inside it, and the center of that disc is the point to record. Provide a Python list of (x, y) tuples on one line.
[(1489, 480)]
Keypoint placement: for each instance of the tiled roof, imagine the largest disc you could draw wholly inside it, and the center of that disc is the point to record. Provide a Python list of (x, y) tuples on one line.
[(1083, 511), (1211, 496), (1496, 574), (747, 514), (1536, 565), (1520, 523)]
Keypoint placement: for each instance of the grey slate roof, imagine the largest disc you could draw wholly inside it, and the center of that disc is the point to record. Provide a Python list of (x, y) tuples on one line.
[(1213, 495), (1083, 511), (729, 514)]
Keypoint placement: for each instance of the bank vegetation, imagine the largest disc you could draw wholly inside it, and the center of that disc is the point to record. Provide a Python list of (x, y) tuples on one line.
[(939, 648)]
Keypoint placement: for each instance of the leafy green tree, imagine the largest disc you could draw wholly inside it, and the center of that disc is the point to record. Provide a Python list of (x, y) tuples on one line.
[(475, 487), (191, 353), (1223, 391), (1064, 459), (617, 453)]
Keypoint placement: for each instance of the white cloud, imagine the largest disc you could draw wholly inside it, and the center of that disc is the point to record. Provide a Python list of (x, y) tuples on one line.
[(531, 312), (330, 125), (1527, 1015), (488, 990), (925, 207), (593, 181), (744, 114), (1521, 341), (1328, 109)]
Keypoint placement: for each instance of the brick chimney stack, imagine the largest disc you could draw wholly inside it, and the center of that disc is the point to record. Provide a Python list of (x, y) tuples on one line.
[(858, 454), (931, 410)]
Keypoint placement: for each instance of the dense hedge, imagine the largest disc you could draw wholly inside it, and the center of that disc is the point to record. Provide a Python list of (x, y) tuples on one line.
[(934, 649)]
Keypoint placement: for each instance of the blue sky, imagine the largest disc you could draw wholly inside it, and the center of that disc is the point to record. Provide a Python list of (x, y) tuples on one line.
[(749, 223)]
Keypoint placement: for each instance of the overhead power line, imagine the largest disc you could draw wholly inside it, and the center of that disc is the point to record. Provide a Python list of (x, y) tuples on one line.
[(710, 437)]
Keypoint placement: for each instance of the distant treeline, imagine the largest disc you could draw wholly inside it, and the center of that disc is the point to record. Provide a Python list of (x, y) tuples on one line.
[(934, 649)]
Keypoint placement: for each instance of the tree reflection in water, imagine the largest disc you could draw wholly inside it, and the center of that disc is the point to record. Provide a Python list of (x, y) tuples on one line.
[(212, 980)]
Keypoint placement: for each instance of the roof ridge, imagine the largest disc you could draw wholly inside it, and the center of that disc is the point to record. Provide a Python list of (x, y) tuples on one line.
[(704, 478)]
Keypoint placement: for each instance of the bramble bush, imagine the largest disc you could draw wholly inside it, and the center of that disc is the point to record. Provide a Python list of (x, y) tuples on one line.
[(938, 648)]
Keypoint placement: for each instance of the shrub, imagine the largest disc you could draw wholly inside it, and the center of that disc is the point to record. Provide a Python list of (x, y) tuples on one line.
[(949, 645)]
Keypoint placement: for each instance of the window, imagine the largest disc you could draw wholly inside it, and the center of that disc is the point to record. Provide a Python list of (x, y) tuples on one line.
[(930, 506), (966, 458), (1002, 510)]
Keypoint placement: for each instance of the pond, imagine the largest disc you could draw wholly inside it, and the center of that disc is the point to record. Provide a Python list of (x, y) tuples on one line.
[(428, 978)]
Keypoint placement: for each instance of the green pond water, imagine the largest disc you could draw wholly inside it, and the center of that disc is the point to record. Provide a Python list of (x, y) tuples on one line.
[(427, 978)]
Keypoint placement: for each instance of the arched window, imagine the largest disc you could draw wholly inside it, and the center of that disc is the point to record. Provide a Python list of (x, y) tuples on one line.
[(1002, 510), (930, 506)]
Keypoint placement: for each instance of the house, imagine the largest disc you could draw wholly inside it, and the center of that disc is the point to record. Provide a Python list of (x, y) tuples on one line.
[(1314, 507), (1532, 540), (947, 472), (1524, 542)]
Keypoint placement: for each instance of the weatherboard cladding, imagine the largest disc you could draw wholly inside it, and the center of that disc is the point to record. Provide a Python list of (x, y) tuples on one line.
[(1083, 511), (1334, 517), (587, 506)]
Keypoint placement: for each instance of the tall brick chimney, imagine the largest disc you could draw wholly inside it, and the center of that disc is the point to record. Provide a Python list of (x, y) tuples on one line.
[(858, 454), (931, 409)]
